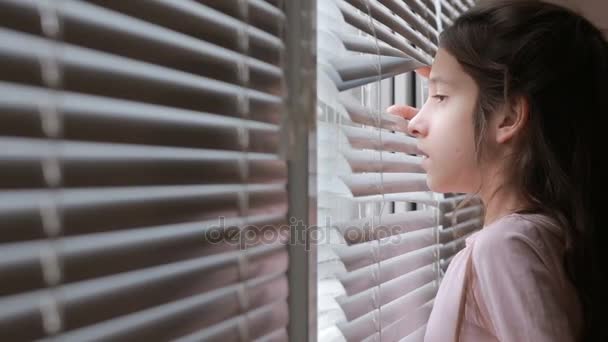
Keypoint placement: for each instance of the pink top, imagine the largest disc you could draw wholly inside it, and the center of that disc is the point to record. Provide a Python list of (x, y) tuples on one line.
[(513, 286)]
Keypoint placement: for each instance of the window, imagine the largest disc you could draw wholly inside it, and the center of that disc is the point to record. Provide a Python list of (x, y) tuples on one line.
[(142, 166), (169, 170), (386, 240)]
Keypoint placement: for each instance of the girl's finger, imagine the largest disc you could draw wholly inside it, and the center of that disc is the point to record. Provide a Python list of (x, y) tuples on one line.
[(406, 112), (424, 71)]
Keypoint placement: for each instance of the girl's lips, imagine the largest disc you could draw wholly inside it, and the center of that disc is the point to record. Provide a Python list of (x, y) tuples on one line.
[(421, 152), (424, 161)]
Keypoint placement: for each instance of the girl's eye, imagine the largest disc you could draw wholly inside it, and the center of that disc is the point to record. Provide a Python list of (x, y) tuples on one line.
[(439, 97)]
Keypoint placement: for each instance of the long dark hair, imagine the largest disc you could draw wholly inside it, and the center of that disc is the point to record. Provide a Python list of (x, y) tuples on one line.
[(557, 61)]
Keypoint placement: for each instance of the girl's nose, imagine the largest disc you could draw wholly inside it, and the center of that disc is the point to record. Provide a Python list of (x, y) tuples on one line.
[(415, 126)]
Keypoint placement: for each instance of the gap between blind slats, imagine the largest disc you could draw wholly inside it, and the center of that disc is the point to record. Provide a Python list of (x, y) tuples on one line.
[(454, 232), (451, 248), (392, 312), (416, 336), (113, 208), (460, 215), (361, 303), (167, 322), (375, 183), (17, 16), (449, 10), (376, 227), (361, 22), (461, 7), (450, 203), (430, 4), (423, 11), (446, 21), (382, 15), (353, 68), (333, 71), (180, 16), (258, 322), (259, 13), (276, 336), (421, 197), (366, 138), (400, 9), (444, 263), (375, 161), (408, 324), (357, 43), (122, 121), (374, 275), (362, 115), (368, 253), (137, 248), (137, 39), (109, 75), (96, 164), (275, 3)]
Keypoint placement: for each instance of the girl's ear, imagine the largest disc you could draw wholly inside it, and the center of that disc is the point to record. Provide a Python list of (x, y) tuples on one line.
[(512, 120)]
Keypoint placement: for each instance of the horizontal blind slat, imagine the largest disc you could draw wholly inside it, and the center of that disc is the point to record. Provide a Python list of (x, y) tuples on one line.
[(103, 119), (377, 161), (419, 24), (408, 324), (421, 197), (109, 75), (365, 138), (451, 233), (388, 314), (103, 209), (452, 12), (361, 67), (205, 23), (361, 303), (137, 39), (368, 253), (396, 23), (276, 336), (462, 214), (365, 116), (394, 311), (377, 227), (258, 13), (366, 184), (185, 316), (453, 247), (258, 322), (130, 292), (21, 268), (90, 165), (362, 22), (424, 11), (374, 275), (357, 43), (416, 336)]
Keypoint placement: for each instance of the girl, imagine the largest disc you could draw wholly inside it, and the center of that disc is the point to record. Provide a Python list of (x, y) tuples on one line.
[(515, 102)]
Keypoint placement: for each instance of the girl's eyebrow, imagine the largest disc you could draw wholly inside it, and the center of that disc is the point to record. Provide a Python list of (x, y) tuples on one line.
[(438, 79)]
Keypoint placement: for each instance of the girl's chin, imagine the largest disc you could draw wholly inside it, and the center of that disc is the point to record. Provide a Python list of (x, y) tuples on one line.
[(437, 186)]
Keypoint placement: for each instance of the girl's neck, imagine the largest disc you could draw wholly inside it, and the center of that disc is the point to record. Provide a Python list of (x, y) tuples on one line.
[(501, 202)]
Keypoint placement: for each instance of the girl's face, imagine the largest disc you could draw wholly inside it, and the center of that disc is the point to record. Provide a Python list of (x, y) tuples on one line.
[(444, 128)]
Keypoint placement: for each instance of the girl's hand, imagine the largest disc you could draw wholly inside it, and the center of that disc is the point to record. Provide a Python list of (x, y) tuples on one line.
[(424, 71), (405, 111)]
